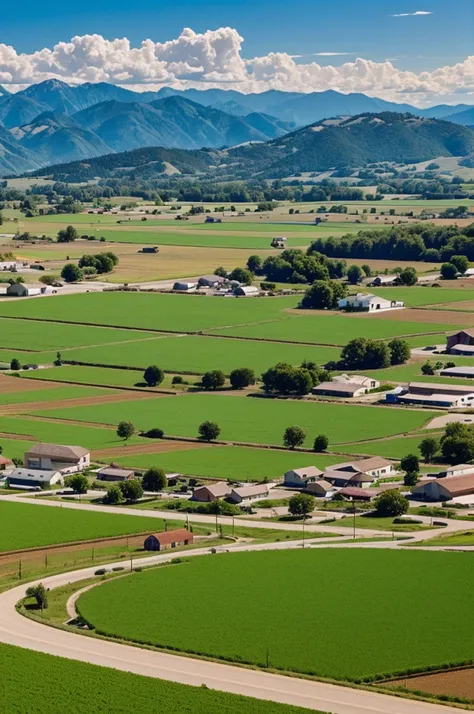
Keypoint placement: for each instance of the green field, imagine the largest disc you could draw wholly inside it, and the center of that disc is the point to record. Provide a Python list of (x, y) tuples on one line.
[(197, 354), (236, 463), (422, 296), (260, 587), (52, 394), (14, 447), (251, 420), (42, 336), (55, 685), (332, 329), (58, 433), (390, 448), (35, 525)]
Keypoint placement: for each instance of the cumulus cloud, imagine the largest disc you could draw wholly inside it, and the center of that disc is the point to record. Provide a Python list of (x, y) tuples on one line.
[(413, 14), (214, 59)]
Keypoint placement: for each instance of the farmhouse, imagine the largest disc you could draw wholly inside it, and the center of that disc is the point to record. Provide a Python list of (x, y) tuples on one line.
[(29, 478), (53, 457), (461, 343), (168, 540), (207, 494), (359, 474), (320, 488), (246, 291), (111, 473), (5, 463), (441, 395), (466, 371), (210, 281), (445, 489), (183, 287), (246, 494), (367, 303), (347, 386), (298, 478)]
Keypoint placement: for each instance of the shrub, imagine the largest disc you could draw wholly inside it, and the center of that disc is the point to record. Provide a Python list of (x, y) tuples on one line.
[(153, 433), (242, 377), (391, 503), (213, 380), (209, 430), (153, 375), (321, 443)]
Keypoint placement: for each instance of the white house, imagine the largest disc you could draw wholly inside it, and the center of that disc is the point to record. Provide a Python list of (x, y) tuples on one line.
[(297, 478), (55, 457), (29, 478), (362, 302)]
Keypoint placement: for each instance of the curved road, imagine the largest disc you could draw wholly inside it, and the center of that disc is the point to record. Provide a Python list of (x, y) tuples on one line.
[(15, 629)]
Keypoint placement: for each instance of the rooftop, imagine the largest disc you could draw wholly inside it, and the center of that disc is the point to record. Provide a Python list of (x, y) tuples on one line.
[(58, 451), (167, 537), (343, 387), (307, 471)]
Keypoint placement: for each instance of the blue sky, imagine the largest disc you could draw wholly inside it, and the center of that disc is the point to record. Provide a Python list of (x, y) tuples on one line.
[(365, 28)]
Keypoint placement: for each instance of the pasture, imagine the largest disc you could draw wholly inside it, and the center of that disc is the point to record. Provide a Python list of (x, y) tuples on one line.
[(250, 419), (261, 588), (56, 684), (35, 525), (390, 448), (49, 394)]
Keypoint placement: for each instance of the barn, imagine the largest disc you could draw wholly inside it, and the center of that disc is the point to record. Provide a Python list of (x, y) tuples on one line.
[(168, 540)]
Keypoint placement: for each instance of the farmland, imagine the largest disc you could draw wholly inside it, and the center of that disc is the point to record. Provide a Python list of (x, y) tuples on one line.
[(247, 419), (57, 684), (51, 394), (56, 525), (263, 583)]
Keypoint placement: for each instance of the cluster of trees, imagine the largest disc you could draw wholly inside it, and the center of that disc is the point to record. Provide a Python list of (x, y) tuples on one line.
[(283, 378), (324, 295), (294, 436), (130, 491), (295, 266), (418, 242), (364, 353), (67, 235), (456, 446), (391, 504), (99, 263)]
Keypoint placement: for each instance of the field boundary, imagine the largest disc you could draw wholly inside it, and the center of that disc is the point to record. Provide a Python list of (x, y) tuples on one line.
[(112, 540)]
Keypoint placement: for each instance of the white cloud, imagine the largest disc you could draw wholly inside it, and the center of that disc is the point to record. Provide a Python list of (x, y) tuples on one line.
[(413, 14), (214, 59)]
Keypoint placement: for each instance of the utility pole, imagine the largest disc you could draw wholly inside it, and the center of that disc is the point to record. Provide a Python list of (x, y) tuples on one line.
[(303, 537)]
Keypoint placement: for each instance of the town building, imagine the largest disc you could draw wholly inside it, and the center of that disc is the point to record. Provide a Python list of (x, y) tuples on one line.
[(299, 478), (168, 540), (362, 302), (55, 457)]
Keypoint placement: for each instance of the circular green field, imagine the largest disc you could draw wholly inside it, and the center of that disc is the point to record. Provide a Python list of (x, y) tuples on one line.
[(345, 613)]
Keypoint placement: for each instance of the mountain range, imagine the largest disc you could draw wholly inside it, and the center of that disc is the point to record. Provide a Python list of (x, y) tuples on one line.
[(327, 144), (53, 122)]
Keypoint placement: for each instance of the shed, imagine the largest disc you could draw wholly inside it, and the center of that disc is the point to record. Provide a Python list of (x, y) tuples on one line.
[(246, 291), (210, 281), (465, 371), (320, 488), (337, 389), (297, 478), (445, 489), (212, 492), (168, 540), (22, 290), (111, 473), (29, 478), (183, 287), (458, 339), (5, 463), (246, 494)]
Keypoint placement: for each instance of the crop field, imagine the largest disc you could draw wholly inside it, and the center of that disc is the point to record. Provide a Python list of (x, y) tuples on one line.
[(236, 463), (55, 684), (30, 526), (51, 394), (42, 336), (196, 354), (59, 433), (250, 420), (421, 296), (103, 376), (390, 448), (262, 585), (14, 447)]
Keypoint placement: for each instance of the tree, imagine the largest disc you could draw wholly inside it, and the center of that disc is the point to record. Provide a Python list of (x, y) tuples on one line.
[(113, 496), (40, 594), (131, 490), (449, 271), (361, 353), (457, 449), (125, 430), (391, 503), (321, 443), (242, 275), (15, 364), (78, 482), (71, 273), (68, 235), (213, 379), (408, 276), (153, 375), (209, 430), (242, 377), (461, 263), (254, 264), (354, 274), (294, 436), (410, 463), (323, 294), (154, 479), (428, 448), (399, 351), (411, 478), (301, 504), (220, 272), (427, 368), (367, 270)]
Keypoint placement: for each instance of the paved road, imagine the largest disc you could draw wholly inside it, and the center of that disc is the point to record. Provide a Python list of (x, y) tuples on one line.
[(18, 630), (452, 527)]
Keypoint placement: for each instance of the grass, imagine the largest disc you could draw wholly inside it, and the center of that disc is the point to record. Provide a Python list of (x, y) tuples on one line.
[(390, 448), (229, 462), (51, 394), (14, 447), (454, 539), (382, 524), (199, 354), (59, 433), (32, 526), (261, 587), (55, 684), (421, 296), (251, 420), (42, 336)]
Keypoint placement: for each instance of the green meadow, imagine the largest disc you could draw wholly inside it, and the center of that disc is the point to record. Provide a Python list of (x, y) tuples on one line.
[(52, 394), (262, 585), (250, 419)]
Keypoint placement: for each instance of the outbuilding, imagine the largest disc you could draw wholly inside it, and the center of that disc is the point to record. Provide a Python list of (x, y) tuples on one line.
[(461, 342), (210, 281), (207, 494), (56, 457), (337, 389), (22, 290), (31, 478), (299, 478), (168, 540), (368, 303), (445, 489), (350, 493), (246, 494), (182, 287), (246, 291), (5, 463), (320, 488), (111, 473)]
